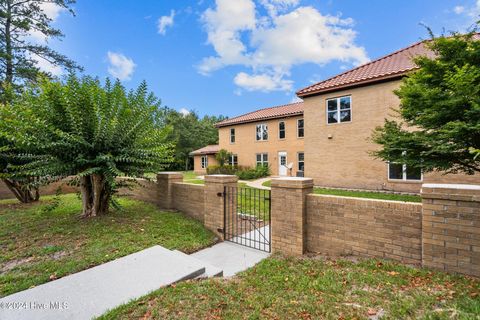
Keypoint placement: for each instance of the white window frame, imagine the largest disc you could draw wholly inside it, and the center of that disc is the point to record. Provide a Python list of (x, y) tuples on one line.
[(338, 109), (284, 129), (298, 128), (204, 162), (263, 126), (232, 135), (404, 174), (262, 161), (231, 160), (298, 161)]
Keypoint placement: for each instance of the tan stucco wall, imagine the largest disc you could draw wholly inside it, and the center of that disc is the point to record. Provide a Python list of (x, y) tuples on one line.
[(343, 161), (197, 163), (246, 146)]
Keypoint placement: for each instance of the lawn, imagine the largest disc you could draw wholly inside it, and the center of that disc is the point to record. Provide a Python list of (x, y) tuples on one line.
[(41, 242), (307, 288), (362, 194)]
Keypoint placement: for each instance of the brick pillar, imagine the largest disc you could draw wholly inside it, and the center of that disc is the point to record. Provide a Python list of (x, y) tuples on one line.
[(451, 227), (214, 187), (289, 203), (165, 181)]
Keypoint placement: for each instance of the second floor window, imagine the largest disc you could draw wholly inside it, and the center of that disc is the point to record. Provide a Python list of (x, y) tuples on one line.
[(281, 130), (232, 135), (262, 132), (339, 110), (300, 129)]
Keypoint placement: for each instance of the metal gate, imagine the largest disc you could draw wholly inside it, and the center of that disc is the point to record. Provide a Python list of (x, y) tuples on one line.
[(246, 218)]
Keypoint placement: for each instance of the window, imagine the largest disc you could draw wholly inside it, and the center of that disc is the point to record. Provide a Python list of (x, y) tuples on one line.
[(262, 159), (300, 130), (301, 161), (281, 130), (204, 162), (232, 135), (233, 160), (339, 110), (262, 132), (398, 171)]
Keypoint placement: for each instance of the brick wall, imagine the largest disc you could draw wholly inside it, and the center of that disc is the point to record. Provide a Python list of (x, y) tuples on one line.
[(363, 227), (337, 155), (190, 199), (246, 146), (451, 228)]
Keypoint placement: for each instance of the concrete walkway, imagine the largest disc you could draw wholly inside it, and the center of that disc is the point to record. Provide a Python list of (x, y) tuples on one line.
[(230, 257), (258, 183), (92, 292)]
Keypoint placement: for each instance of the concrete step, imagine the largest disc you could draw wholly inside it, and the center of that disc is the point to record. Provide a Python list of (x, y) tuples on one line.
[(210, 270), (92, 292)]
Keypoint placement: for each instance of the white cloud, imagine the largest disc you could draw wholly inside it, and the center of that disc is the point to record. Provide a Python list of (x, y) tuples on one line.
[(46, 66), (121, 67), (165, 21), (270, 45), (459, 9), (469, 14), (262, 82), (184, 111), (52, 11)]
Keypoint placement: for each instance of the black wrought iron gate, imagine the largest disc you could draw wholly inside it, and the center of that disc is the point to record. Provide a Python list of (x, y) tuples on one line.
[(246, 219)]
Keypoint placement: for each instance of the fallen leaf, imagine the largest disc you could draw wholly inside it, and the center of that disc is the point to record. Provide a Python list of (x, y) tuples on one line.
[(371, 312), (392, 273)]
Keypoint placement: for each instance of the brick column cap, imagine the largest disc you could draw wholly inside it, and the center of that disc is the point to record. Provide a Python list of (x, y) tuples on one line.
[(462, 192), (292, 183), (169, 175), (221, 178)]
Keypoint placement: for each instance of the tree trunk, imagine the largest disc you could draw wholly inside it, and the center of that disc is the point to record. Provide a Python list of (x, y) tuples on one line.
[(23, 193), (95, 195)]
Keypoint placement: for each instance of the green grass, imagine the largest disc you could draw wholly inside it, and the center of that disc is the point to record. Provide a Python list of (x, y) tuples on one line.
[(39, 244), (362, 194), (368, 194), (253, 201), (305, 288)]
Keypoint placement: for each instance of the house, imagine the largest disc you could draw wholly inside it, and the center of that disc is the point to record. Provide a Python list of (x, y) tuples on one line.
[(204, 157), (337, 118)]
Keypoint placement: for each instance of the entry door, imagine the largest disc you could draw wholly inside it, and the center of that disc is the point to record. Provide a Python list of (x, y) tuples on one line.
[(282, 164)]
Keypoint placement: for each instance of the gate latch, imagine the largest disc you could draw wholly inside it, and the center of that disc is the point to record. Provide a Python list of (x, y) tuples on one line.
[(220, 194)]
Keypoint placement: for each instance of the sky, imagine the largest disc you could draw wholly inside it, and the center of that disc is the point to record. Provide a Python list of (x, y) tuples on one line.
[(229, 57)]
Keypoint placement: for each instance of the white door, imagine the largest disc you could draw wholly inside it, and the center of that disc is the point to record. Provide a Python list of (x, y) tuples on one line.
[(282, 164)]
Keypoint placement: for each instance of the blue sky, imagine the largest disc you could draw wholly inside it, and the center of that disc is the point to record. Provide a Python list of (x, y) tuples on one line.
[(233, 56)]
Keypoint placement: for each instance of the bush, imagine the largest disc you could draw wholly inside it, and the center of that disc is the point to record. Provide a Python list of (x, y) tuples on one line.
[(221, 170), (243, 173), (253, 173)]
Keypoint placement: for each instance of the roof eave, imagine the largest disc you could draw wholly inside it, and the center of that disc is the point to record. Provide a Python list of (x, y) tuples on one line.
[(354, 84), (219, 125)]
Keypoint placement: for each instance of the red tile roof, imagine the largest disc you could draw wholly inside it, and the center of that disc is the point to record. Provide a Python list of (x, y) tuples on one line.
[(390, 66), (210, 149), (282, 111)]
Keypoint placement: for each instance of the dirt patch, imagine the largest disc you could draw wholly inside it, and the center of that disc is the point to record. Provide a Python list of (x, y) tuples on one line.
[(15, 263)]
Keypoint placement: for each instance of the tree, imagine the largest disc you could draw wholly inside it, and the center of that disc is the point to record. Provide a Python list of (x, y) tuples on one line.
[(190, 133), (223, 156), (96, 133), (439, 110), (19, 56)]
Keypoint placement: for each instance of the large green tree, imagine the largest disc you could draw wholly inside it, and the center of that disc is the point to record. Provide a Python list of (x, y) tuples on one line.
[(190, 132), (81, 128), (439, 125), (20, 54)]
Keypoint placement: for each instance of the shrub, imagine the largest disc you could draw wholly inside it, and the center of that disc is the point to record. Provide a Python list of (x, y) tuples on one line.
[(253, 173), (221, 170)]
